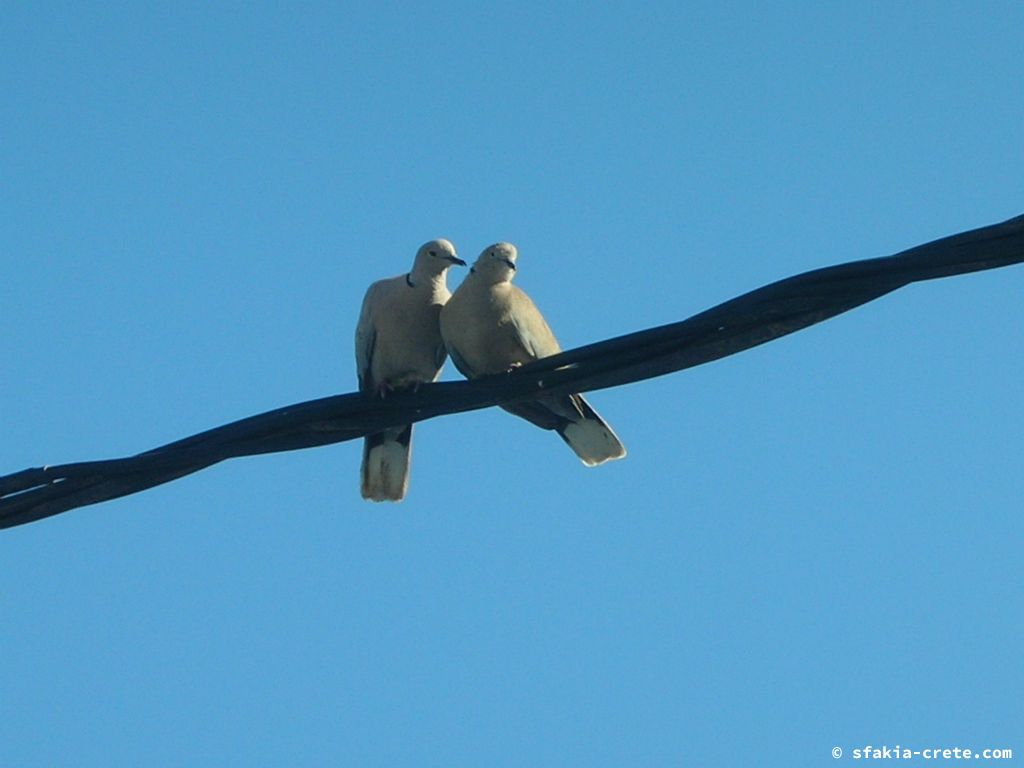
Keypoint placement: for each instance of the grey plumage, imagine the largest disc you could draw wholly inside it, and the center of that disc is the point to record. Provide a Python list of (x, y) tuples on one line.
[(398, 346), (491, 326)]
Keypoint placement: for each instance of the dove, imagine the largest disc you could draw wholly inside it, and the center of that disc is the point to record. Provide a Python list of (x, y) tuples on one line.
[(490, 326), (398, 347)]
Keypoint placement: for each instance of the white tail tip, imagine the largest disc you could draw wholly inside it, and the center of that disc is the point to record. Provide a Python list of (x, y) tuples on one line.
[(385, 472), (593, 441)]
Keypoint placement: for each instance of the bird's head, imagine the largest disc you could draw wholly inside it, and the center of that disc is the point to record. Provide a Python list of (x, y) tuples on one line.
[(497, 262), (436, 256)]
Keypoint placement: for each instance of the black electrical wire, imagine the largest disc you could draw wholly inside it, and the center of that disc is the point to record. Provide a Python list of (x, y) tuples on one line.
[(741, 323)]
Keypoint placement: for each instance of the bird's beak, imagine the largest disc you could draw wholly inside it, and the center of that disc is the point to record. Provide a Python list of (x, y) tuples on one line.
[(456, 260), (511, 264)]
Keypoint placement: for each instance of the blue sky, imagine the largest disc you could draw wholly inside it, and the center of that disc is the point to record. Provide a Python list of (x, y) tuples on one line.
[(816, 543)]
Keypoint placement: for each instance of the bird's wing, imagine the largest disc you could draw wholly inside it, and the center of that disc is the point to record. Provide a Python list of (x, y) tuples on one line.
[(366, 336), (531, 329)]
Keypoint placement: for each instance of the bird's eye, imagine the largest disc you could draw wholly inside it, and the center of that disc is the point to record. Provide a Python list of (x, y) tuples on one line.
[(433, 253)]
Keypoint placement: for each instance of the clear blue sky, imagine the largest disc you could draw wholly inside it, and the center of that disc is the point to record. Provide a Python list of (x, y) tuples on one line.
[(816, 543)]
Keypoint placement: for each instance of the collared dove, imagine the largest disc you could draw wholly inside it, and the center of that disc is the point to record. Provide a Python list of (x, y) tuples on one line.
[(491, 326), (399, 346)]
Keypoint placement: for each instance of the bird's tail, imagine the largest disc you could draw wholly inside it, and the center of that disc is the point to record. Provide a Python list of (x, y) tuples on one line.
[(590, 437), (385, 470)]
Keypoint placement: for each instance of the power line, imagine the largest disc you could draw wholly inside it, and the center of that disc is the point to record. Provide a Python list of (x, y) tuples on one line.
[(749, 320)]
